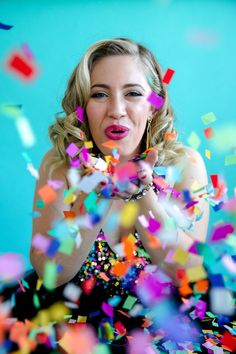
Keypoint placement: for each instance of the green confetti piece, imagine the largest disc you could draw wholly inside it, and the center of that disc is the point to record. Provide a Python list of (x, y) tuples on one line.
[(12, 111), (50, 275), (129, 302), (26, 157), (67, 245), (210, 314), (36, 301), (40, 204), (101, 349), (25, 284), (230, 160), (208, 118), (194, 141), (90, 202)]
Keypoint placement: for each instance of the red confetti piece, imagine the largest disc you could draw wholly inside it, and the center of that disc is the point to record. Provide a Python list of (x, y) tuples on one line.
[(168, 76), (208, 132), (88, 285), (229, 342), (19, 65), (214, 180)]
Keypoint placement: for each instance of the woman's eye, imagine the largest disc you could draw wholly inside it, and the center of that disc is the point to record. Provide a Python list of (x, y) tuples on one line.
[(99, 95), (134, 93)]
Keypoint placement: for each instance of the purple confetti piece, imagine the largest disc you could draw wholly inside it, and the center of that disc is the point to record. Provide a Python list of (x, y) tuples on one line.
[(221, 232), (108, 309), (155, 100), (154, 225), (72, 150), (27, 52), (200, 309), (4, 26), (80, 113), (75, 163), (40, 242)]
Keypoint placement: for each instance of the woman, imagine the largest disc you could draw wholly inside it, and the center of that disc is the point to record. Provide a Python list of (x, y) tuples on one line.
[(113, 84)]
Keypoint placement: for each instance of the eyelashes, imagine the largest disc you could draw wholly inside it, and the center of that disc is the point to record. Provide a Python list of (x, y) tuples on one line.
[(103, 94)]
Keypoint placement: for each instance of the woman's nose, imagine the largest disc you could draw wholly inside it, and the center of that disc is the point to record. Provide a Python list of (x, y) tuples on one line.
[(116, 108)]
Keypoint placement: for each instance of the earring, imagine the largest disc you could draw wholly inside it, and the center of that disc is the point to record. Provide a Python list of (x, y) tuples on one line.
[(148, 138)]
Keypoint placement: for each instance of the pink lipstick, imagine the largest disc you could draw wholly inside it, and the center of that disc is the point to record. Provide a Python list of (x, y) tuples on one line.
[(116, 132)]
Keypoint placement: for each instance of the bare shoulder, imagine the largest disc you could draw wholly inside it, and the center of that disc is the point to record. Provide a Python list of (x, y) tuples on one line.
[(48, 159)]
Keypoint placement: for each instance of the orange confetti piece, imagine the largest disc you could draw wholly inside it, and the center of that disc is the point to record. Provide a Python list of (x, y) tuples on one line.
[(202, 286), (124, 313), (47, 194), (169, 136), (69, 214), (129, 248), (110, 144), (208, 132), (146, 322), (154, 242), (120, 269), (104, 276)]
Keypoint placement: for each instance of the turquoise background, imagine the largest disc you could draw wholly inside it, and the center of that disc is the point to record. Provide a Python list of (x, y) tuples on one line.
[(195, 38)]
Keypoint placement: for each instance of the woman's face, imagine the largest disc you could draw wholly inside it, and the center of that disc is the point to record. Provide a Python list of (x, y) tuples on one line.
[(118, 108)]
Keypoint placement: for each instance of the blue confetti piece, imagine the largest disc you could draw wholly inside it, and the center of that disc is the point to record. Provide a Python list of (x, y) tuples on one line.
[(216, 280), (4, 26)]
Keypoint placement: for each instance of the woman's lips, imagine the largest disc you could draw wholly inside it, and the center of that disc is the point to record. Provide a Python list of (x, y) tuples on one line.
[(116, 132)]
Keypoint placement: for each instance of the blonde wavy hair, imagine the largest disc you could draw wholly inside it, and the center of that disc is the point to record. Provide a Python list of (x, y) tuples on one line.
[(68, 129)]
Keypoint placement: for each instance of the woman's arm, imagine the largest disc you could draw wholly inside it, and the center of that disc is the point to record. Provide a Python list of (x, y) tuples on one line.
[(52, 212), (194, 172)]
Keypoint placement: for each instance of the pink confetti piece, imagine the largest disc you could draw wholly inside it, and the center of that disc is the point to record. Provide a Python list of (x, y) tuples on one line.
[(55, 183), (200, 309), (27, 52), (72, 150), (108, 309), (11, 267), (155, 100), (154, 225), (41, 242), (221, 232), (21, 287), (80, 113)]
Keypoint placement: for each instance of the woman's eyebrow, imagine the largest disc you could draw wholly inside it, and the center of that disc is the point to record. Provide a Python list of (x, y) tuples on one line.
[(125, 86)]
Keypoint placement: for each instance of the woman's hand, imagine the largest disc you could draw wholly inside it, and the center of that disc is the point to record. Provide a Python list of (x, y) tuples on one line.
[(144, 176)]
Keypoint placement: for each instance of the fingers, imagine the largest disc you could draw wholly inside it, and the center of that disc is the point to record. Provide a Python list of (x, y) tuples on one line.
[(152, 157)]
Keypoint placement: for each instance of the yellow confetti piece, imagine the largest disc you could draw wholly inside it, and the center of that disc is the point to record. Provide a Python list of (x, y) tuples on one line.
[(195, 185), (70, 198), (58, 311), (39, 284), (129, 214), (196, 273), (88, 144), (208, 118), (82, 319), (208, 154), (132, 238), (180, 256), (194, 141)]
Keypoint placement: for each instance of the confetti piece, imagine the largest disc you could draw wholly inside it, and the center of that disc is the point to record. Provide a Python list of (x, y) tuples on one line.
[(103, 276), (25, 131), (200, 309), (194, 141), (218, 306), (18, 64), (220, 232), (11, 267), (108, 309), (129, 302), (12, 111), (80, 113), (47, 194), (208, 154), (180, 256), (27, 52), (88, 144), (168, 76), (32, 170), (229, 342), (208, 132), (4, 26), (170, 136), (196, 273), (208, 118), (230, 160), (40, 242), (214, 180), (72, 150), (111, 144), (155, 100), (50, 275), (119, 269), (129, 214), (67, 246), (72, 292)]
